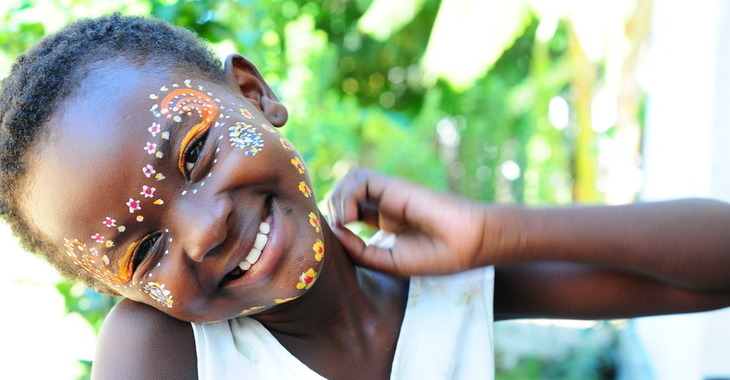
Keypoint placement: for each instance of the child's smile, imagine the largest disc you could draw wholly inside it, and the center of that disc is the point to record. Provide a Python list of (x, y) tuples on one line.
[(177, 192)]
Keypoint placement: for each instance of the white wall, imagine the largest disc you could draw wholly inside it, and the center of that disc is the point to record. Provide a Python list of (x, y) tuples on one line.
[(687, 153)]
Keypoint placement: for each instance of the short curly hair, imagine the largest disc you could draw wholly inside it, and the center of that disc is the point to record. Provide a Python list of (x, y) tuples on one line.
[(46, 75)]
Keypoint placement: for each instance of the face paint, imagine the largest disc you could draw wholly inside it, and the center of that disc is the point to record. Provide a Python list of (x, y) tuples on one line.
[(89, 260), (133, 205), (298, 164), (150, 147), (157, 292), (286, 144), (185, 102), (176, 105), (318, 248), (148, 192), (306, 279), (314, 221), (268, 128), (244, 136), (154, 129), (305, 189), (284, 300), (252, 309)]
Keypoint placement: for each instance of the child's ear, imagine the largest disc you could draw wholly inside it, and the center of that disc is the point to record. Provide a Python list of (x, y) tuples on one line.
[(245, 78)]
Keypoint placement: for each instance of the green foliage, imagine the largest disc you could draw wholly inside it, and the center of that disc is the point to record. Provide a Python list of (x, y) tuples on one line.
[(88, 303)]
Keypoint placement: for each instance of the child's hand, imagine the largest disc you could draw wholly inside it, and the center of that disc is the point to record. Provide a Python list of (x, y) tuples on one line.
[(435, 233)]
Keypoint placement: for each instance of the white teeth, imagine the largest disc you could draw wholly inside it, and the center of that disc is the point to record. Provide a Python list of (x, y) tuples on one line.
[(253, 256), (258, 246), (260, 242), (264, 228)]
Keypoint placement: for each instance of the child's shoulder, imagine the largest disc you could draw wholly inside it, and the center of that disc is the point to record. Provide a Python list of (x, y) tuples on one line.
[(140, 342)]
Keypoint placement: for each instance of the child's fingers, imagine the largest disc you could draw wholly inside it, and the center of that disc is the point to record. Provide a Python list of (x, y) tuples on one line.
[(356, 197), (369, 256)]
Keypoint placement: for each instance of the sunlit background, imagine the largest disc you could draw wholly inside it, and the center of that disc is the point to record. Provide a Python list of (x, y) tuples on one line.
[(513, 101)]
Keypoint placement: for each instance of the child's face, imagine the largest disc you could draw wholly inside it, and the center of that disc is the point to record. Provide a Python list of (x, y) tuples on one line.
[(163, 186)]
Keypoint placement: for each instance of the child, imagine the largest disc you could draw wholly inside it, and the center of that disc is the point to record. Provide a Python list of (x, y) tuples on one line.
[(133, 162)]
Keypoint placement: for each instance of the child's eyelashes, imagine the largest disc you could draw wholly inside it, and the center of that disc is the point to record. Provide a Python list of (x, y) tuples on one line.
[(191, 149), (192, 154), (144, 248)]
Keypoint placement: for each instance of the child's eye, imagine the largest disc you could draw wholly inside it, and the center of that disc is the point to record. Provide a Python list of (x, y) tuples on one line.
[(192, 148), (192, 154), (144, 248)]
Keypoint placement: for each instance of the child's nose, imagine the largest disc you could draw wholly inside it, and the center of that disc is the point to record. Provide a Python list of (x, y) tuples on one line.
[(202, 226)]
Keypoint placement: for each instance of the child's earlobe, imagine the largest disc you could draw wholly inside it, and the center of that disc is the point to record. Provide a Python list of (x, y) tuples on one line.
[(245, 78), (274, 111)]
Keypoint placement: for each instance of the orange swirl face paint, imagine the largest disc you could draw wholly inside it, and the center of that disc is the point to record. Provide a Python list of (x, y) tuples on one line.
[(186, 101)]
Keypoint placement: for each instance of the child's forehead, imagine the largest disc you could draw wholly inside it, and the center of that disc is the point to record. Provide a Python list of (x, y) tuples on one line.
[(112, 87)]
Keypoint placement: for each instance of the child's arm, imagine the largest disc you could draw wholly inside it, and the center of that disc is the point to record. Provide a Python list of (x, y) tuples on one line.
[(581, 262), (140, 342)]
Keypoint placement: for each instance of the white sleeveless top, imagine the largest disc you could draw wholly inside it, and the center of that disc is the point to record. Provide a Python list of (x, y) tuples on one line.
[(446, 334)]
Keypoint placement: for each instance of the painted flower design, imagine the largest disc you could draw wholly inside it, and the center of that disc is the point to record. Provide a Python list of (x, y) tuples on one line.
[(298, 164), (150, 147), (314, 221), (245, 113), (245, 137), (268, 128), (307, 279), (98, 238), (154, 129), (157, 292), (148, 171), (109, 222), (147, 191), (133, 205), (286, 144), (305, 189), (93, 251), (318, 249)]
